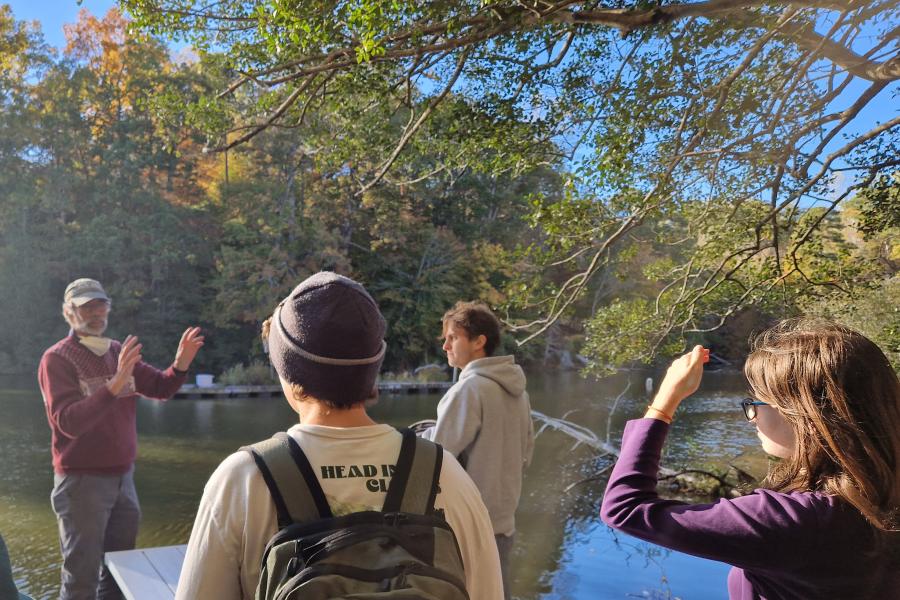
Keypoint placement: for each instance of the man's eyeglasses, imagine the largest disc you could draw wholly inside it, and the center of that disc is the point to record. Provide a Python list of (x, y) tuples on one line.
[(749, 405), (95, 306)]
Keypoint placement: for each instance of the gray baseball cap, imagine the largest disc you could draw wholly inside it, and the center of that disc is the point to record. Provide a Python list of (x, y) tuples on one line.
[(82, 291)]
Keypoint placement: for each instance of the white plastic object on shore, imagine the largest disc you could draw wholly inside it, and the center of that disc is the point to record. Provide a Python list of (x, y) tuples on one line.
[(204, 380)]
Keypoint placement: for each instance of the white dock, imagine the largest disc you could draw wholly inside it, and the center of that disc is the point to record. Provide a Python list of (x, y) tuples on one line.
[(147, 573)]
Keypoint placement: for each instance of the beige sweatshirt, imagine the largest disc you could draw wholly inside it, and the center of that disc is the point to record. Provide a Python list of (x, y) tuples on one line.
[(485, 421)]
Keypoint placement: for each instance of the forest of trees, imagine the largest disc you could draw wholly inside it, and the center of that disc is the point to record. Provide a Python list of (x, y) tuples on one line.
[(95, 181), (113, 166)]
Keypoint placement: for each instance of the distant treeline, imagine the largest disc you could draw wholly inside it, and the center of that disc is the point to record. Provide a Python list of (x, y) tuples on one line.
[(94, 182), (101, 176)]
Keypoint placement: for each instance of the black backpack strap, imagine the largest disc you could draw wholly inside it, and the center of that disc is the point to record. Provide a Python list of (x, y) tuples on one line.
[(414, 484), (295, 490)]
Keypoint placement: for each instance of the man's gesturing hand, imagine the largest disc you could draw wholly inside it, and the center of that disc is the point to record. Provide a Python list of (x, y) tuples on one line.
[(191, 342), (129, 355)]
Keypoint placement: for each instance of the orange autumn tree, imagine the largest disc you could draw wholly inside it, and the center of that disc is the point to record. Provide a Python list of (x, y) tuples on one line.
[(119, 78)]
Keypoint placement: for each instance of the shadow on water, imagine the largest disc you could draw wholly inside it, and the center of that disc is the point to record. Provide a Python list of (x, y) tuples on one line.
[(563, 550)]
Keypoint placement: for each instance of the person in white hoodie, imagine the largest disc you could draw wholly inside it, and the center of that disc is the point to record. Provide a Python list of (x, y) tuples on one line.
[(485, 418)]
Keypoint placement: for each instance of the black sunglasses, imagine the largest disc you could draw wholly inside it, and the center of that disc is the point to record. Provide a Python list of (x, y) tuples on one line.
[(749, 405)]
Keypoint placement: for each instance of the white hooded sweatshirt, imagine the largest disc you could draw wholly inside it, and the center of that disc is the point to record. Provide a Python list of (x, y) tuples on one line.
[(485, 421)]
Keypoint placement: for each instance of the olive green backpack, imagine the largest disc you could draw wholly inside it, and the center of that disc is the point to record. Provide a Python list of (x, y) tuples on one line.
[(407, 551)]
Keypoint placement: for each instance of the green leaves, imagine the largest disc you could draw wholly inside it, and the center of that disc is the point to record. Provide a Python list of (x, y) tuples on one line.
[(654, 185), (626, 332), (879, 206)]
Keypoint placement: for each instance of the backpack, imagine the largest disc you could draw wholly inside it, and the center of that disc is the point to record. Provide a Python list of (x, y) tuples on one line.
[(406, 551)]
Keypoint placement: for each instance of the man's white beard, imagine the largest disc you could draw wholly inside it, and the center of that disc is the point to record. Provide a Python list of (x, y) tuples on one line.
[(83, 327)]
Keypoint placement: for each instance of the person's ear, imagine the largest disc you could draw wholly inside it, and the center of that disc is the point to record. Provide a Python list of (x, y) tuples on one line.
[(480, 341)]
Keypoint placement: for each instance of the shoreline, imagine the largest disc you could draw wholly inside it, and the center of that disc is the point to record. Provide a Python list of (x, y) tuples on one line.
[(193, 392)]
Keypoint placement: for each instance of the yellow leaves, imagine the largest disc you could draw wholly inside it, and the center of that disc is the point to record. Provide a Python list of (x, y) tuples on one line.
[(894, 251), (98, 42), (219, 170), (369, 199), (16, 38), (103, 46)]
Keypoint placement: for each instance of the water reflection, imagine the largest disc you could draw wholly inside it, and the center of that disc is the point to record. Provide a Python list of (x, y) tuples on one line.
[(563, 550)]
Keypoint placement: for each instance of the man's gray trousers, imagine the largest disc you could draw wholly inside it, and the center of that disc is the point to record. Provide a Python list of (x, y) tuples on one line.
[(95, 514)]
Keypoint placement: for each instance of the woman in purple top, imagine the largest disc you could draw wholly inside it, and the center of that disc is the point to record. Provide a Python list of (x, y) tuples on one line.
[(827, 402)]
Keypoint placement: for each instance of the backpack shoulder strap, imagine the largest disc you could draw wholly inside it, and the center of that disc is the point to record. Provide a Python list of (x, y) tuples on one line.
[(295, 490), (414, 484)]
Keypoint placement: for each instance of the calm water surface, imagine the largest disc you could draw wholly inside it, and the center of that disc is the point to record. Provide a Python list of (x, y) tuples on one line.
[(563, 551)]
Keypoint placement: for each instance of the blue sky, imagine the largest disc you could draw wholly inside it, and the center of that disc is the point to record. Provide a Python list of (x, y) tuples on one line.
[(53, 14)]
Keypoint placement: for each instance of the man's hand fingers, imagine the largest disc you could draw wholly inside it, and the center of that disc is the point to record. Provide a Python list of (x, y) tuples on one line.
[(190, 334), (127, 354), (134, 358), (130, 344)]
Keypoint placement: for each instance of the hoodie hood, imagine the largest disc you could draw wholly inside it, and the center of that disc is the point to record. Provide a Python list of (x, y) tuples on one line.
[(502, 369)]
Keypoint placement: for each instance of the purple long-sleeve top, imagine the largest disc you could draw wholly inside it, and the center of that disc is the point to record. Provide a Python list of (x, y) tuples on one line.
[(795, 545)]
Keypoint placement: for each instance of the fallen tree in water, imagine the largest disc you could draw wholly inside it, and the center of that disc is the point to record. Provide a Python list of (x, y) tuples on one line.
[(731, 483)]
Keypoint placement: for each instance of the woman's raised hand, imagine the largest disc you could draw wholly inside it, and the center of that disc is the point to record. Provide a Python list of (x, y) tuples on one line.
[(681, 380)]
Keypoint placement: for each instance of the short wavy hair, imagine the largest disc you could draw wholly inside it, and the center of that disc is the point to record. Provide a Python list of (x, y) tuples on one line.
[(475, 318)]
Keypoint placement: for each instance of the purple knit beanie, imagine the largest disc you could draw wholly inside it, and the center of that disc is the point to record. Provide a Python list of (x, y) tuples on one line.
[(328, 337)]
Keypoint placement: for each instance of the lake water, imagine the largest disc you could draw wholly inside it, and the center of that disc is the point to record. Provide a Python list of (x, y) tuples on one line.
[(563, 550)]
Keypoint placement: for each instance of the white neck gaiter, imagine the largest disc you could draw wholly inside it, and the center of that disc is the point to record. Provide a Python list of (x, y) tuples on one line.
[(96, 344)]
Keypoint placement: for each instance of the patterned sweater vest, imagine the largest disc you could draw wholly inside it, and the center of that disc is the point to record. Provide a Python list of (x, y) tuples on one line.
[(94, 432), (93, 371)]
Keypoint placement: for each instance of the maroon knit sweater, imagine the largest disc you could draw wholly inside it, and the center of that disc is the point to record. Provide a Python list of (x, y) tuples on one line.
[(95, 432)]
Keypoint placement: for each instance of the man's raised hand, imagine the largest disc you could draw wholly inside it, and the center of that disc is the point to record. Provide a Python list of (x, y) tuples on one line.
[(129, 356), (190, 344)]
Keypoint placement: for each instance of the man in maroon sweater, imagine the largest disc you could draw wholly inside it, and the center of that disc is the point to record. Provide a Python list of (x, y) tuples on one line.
[(90, 386)]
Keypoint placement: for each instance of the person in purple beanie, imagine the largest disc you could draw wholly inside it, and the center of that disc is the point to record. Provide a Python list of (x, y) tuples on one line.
[(826, 402)]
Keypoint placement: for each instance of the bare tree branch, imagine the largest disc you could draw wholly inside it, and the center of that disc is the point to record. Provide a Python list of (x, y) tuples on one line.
[(411, 130)]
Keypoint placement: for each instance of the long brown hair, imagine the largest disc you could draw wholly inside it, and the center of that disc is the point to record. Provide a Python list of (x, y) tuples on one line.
[(842, 398)]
